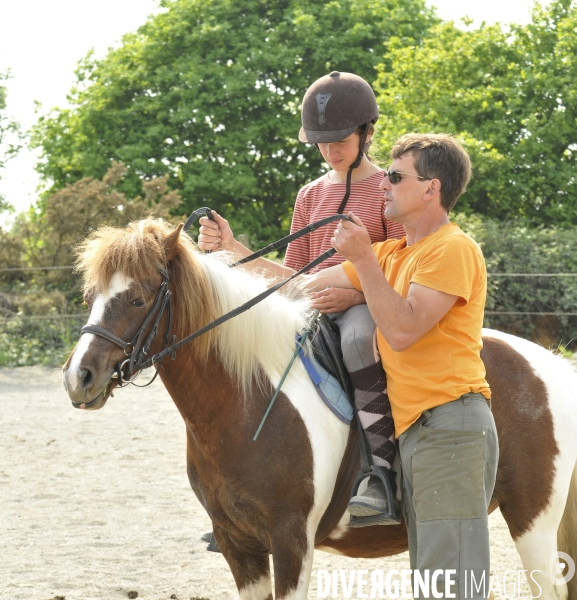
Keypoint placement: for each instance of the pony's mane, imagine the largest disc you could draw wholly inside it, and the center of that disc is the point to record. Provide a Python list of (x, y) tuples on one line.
[(204, 287)]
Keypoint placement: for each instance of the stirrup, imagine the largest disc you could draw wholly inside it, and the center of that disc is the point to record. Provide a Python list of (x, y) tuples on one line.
[(392, 516)]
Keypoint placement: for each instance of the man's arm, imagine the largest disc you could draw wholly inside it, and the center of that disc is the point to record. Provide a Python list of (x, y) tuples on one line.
[(331, 277), (402, 321)]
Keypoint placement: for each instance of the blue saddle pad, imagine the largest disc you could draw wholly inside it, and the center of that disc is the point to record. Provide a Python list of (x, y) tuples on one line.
[(327, 386)]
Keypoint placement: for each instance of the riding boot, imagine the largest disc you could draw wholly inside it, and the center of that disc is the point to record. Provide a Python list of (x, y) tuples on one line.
[(375, 415)]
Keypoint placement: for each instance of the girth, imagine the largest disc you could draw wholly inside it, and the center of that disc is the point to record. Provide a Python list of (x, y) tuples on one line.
[(326, 345)]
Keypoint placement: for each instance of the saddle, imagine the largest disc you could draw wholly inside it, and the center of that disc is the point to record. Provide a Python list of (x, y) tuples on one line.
[(320, 354), (326, 346)]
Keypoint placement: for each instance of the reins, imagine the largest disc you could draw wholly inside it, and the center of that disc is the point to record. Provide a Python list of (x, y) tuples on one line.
[(136, 361), (260, 297), (279, 244)]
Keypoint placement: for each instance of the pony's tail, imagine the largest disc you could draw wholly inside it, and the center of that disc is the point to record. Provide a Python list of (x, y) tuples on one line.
[(567, 532)]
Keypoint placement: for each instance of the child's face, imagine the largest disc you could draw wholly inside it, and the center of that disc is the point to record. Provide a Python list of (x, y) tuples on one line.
[(341, 155)]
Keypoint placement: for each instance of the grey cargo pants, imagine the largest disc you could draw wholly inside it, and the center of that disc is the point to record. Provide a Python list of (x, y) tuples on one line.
[(449, 462)]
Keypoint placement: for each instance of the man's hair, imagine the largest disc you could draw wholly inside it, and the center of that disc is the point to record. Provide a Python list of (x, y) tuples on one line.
[(438, 156)]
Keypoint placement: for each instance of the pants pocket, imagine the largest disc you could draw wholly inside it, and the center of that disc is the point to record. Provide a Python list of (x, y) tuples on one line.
[(448, 474)]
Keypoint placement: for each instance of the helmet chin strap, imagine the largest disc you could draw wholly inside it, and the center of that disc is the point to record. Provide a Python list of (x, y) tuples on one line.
[(356, 164)]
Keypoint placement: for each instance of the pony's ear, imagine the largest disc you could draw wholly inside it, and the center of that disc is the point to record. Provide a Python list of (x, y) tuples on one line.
[(171, 243)]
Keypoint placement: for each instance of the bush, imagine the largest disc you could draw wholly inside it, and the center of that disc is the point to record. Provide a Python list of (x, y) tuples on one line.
[(516, 247), (38, 342), (509, 247), (36, 304)]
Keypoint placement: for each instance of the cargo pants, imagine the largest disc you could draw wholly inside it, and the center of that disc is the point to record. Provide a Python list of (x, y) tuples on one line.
[(449, 462)]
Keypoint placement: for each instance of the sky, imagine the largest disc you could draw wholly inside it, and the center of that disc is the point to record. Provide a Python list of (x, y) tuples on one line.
[(41, 42)]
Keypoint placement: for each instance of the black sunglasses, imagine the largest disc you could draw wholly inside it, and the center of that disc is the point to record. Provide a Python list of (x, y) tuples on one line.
[(396, 176)]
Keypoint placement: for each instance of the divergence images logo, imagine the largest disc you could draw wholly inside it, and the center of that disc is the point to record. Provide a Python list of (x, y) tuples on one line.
[(557, 563)]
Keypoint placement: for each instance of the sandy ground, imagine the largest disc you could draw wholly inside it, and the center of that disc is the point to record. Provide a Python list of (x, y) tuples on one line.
[(97, 505)]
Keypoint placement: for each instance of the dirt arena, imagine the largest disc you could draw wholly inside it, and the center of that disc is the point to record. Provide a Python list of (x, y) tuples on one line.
[(97, 505)]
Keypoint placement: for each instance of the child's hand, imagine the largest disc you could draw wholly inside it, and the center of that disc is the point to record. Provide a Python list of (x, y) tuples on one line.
[(215, 235), (334, 300)]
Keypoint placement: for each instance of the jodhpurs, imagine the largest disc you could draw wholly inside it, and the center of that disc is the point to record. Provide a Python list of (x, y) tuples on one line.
[(357, 330)]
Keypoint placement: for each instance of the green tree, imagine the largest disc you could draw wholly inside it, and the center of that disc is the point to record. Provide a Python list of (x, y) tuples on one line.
[(510, 96), (209, 92), (9, 134)]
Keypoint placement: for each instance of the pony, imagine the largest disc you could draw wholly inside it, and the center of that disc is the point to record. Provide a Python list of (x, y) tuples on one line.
[(273, 495)]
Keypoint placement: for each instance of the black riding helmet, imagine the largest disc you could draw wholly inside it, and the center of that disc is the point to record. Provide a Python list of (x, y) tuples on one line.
[(335, 106)]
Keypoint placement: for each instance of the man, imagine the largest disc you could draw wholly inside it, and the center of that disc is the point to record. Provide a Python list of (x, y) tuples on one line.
[(426, 294)]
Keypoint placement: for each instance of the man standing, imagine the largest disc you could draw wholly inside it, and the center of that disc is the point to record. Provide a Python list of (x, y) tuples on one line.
[(426, 294)]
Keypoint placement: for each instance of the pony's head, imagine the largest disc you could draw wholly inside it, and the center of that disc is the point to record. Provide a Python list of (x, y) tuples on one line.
[(123, 270)]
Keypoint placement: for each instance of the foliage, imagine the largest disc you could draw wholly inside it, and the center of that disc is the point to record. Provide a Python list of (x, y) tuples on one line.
[(513, 246), (73, 211), (37, 307), (209, 92), (510, 96), (9, 134), (516, 246), (38, 342)]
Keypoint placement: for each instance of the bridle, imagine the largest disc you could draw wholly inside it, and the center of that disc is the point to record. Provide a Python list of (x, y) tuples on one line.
[(126, 371), (135, 350)]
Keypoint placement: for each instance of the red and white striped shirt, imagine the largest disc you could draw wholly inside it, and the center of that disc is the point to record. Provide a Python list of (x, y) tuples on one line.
[(320, 199)]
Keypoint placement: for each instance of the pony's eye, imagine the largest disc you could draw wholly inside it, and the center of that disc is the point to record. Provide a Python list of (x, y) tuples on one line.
[(138, 302)]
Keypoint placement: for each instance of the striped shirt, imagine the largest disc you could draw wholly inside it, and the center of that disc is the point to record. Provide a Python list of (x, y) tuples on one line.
[(320, 199)]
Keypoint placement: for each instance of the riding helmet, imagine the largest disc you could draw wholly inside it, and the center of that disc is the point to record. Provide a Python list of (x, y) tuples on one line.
[(335, 106)]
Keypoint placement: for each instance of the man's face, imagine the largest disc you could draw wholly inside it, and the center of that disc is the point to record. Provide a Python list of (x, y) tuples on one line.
[(403, 200)]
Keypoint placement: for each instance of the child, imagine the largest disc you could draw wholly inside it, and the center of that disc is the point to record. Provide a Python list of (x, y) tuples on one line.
[(338, 116)]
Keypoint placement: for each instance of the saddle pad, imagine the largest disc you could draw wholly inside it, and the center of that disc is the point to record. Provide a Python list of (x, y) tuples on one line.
[(327, 386)]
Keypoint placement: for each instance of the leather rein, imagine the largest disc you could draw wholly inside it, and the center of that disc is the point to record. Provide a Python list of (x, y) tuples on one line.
[(136, 350)]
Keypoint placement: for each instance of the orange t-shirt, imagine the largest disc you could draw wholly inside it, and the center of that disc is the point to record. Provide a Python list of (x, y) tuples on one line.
[(445, 363)]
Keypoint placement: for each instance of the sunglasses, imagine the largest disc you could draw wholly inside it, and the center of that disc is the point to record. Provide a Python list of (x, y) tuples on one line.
[(396, 176)]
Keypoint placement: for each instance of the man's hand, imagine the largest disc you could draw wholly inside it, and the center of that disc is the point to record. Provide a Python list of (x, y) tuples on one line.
[(352, 240), (335, 300), (215, 235)]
